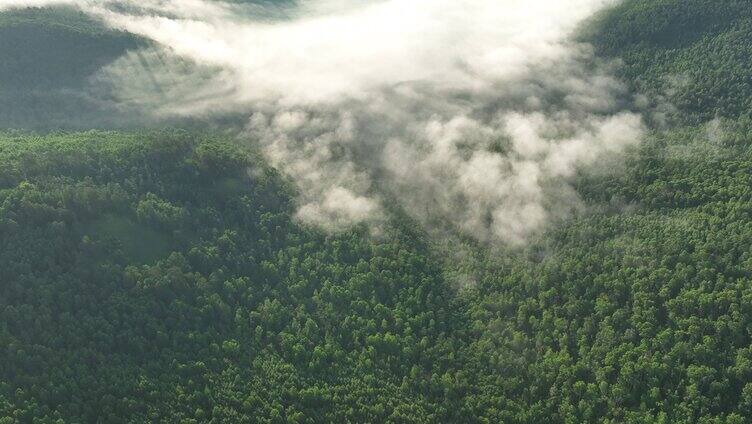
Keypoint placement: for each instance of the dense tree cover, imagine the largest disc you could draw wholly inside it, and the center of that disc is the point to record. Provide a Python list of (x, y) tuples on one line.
[(152, 277), (159, 276), (694, 54), (638, 311)]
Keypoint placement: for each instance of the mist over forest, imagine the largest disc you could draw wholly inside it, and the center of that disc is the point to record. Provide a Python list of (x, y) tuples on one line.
[(398, 211)]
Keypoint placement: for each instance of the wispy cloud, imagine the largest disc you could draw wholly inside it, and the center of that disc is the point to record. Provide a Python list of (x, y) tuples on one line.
[(470, 115)]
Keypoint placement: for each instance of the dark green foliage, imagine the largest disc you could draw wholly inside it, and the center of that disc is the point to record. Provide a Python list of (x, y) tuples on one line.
[(638, 312), (159, 277), (48, 56), (145, 279), (149, 277), (695, 53)]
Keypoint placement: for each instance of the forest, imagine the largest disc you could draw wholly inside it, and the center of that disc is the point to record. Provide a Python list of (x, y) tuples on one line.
[(153, 274)]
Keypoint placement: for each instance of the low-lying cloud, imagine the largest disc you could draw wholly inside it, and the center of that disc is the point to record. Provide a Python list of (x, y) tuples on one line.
[(471, 116)]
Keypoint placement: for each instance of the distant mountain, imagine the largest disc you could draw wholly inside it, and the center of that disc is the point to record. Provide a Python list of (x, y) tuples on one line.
[(48, 55)]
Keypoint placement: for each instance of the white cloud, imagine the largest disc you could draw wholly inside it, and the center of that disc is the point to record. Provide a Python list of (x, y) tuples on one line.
[(471, 115), (7, 4)]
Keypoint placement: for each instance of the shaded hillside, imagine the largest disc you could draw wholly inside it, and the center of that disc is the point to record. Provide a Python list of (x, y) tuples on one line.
[(150, 277), (48, 56), (693, 53)]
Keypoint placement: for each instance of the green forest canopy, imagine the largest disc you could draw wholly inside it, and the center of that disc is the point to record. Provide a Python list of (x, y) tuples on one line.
[(159, 276)]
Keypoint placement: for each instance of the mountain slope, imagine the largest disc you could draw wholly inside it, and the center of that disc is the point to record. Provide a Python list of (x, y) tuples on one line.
[(694, 54), (48, 57), (161, 277), (149, 277)]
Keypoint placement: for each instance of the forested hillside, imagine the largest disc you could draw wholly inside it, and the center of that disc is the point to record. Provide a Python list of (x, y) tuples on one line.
[(153, 277), (160, 276), (692, 54), (48, 56)]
